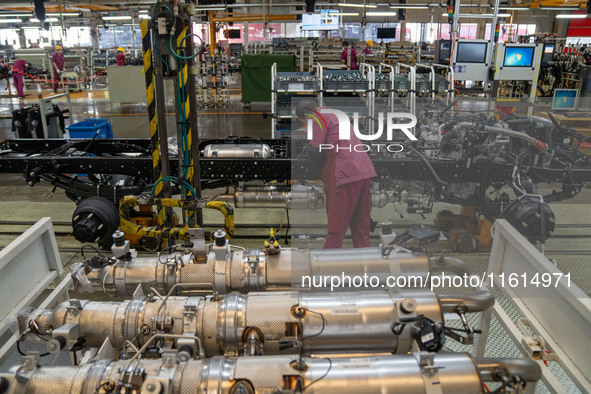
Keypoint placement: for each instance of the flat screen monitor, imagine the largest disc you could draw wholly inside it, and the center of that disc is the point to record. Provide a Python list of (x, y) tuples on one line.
[(323, 20), (519, 56), (548, 55), (386, 32), (565, 99), (235, 33), (471, 52), (444, 51)]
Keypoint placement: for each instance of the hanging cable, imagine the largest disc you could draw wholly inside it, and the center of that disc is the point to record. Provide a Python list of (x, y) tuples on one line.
[(323, 325), (323, 376), (177, 181), (180, 57)]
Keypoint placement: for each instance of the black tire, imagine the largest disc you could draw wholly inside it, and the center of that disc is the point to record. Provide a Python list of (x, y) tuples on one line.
[(95, 220)]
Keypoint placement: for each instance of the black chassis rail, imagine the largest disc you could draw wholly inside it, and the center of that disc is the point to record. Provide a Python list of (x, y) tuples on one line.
[(49, 159), (114, 146)]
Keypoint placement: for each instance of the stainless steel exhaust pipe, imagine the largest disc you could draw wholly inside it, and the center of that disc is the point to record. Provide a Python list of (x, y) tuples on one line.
[(471, 303), (251, 270), (449, 264), (415, 373), (491, 369), (280, 322)]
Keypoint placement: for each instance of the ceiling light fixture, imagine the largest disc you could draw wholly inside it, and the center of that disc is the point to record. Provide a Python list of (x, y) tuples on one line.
[(514, 8), (410, 7), (571, 16), (11, 20), (343, 14), (357, 5), (116, 18), (63, 14), (391, 13), (35, 20), (480, 16)]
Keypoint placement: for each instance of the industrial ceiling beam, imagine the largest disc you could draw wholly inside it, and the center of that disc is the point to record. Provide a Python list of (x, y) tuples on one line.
[(243, 17), (55, 8)]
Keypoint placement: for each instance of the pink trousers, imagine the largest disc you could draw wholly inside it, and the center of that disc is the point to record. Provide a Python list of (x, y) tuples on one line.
[(353, 203), (18, 83)]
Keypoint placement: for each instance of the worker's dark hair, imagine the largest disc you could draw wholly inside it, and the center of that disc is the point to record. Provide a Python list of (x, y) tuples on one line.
[(305, 107), (345, 43)]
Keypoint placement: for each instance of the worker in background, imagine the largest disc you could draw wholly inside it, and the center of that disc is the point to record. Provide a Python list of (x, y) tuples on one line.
[(18, 69), (586, 54), (203, 52), (58, 61), (346, 175), (367, 49), (349, 56), (120, 56)]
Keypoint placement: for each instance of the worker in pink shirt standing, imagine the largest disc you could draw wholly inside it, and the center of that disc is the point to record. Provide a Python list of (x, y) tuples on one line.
[(367, 49), (120, 56), (18, 69), (349, 56), (346, 174), (57, 61)]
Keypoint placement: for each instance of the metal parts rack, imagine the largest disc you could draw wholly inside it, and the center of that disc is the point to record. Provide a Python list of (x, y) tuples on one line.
[(284, 87)]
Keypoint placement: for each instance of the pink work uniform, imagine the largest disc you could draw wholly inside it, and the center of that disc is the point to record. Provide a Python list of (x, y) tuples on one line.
[(18, 69), (346, 175), (60, 61), (348, 56), (120, 59)]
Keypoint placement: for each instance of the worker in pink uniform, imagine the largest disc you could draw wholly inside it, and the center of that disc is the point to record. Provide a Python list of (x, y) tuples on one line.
[(18, 69), (346, 174), (58, 61), (349, 56), (120, 56), (203, 52), (367, 49)]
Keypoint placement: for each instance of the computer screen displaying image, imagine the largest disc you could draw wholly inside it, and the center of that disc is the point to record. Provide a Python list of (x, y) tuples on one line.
[(548, 54), (565, 99), (520, 56), (322, 20), (443, 51), (471, 52)]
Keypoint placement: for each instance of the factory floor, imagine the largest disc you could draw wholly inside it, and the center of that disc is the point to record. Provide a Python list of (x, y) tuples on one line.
[(22, 206)]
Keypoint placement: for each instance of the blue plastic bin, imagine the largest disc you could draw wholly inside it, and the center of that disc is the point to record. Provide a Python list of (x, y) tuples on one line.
[(87, 129)]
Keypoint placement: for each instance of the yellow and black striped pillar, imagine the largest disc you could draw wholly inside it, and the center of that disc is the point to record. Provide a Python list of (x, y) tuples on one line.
[(151, 102), (184, 79)]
